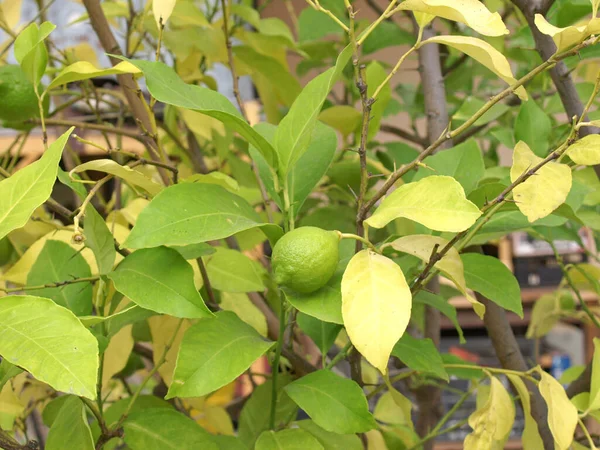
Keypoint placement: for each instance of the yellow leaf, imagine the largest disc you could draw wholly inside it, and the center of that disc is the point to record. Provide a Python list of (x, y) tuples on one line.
[(531, 436), (240, 304), (215, 420), (375, 440), (81, 52), (543, 192), (201, 124), (376, 305), (117, 353), (388, 411), (403, 406), (10, 407), (421, 246), (423, 19), (10, 13), (18, 273), (470, 12), (162, 329), (568, 36), (343, 118), (562, 414), (438, 202), (493, 421), (483, 53), (162, 10), (133, 209), (84, 70), (544, 316), (586, 151), (128, 174), (595, 384)]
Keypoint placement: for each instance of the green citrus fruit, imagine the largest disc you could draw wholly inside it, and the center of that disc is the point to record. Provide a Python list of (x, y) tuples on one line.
[(305, 259), (19, 102)]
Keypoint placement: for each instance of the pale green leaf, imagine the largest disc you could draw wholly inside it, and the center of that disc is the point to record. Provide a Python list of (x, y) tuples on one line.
[(213, 353), (470, 12), (442, 305), (99, 238), (485, 54), (59, 262), (493, 421), (128, 174), (376, 74), (491, 278), (420, 355), (190, 213), (562, 415), (533, 126), (240, 304), (165, 429), (160, 279), (376, 306), (8, 371), (83, 70), (294, 132), (324, 304), (531, 436), (329, 440), (388, 411), (438, 202), (542, 193), (334, 403), (49, 342), (586, 151), (31, 186), (166, 86), (31, 52), (343, 118), (70, 426), (162, 10), (232, 271), (422, 245), (293, 439), (595, 384)]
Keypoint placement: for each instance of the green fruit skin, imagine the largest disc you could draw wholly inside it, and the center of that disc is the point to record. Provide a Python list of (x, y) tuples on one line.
[(19, 102), (305, 259)]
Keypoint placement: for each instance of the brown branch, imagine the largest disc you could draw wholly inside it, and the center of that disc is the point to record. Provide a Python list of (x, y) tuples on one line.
[(415, 139), (209, 291), (126, 81), (91, 126)]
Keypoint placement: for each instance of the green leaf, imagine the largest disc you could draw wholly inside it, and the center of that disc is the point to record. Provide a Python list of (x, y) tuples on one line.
[(31, 52), (442, 305), (59, 262), (324, 304), (464, 163), (491, 278), (533, 126), (128, 174), (329, 440), (595, 385), (84, 70), (334, 403), (254, 419), (294, 439), (542, 193), (562, 415), (387, 34), (343, 118), (190, 213), (314, 25), (99, 238), (31, 186), (294, 132), (420, 355), (215, 352), (166, 86), (49, 342), (160, 279), (376, 74), (438, 202), (163, 429), (232, 271), (376, 306), (194, 251), (322, 333), (7, 371), (70, 426)]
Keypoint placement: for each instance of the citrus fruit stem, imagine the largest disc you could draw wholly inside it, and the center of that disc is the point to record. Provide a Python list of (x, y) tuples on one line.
[(358, 238)]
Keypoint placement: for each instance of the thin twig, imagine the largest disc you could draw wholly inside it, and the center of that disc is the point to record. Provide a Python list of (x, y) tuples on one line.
[(51, 285)]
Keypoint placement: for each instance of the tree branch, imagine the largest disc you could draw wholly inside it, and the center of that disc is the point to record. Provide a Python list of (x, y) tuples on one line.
[(415, 139)]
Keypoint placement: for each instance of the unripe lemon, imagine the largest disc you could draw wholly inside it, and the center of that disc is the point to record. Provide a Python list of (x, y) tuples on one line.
[(19, 102), (305, 259)]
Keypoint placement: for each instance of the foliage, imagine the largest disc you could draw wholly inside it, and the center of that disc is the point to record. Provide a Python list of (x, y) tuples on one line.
[(158, 284)]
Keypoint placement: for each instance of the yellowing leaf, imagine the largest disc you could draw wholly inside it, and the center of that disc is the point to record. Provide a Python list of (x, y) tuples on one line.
[(215, 419), (595, 385), (240, 304), (10, 407), (568, 36), (128, 174), (493, 421), (84, 70), (376, 305), (421, 246), (438, 202), (423, 19), (117, 353), (81, 52), (531, 436), (10, 12), (543, 192), (162, 329), (470, 12), (162, 10), (586, 151), (562, 414), (483, 53)]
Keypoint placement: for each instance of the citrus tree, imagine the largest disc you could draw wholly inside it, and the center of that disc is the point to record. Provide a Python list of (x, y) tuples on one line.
[(317, 235)]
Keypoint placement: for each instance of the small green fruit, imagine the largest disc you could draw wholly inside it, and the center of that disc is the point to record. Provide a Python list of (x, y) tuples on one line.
[(19, 101), (305, 259)]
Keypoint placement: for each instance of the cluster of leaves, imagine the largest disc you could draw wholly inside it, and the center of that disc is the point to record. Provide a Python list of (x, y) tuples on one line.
[(163, 286)]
